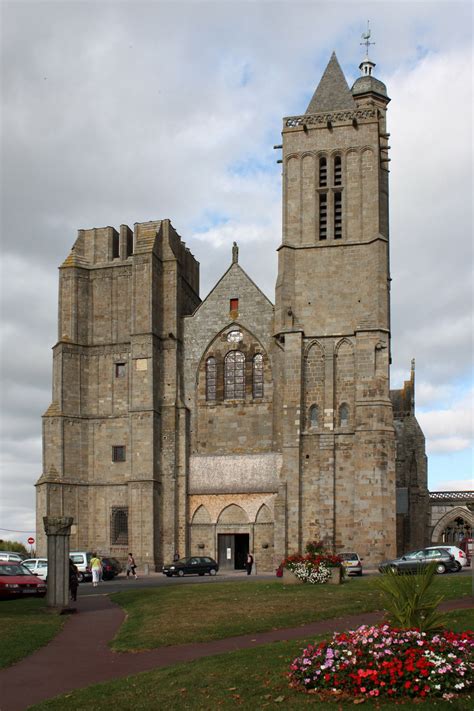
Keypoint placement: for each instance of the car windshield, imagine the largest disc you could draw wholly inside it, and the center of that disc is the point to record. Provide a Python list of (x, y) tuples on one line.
[(14, 569), (183, 561), (349, 556)]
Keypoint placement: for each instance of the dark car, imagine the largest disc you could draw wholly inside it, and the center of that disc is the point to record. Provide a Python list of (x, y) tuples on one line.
[(110, 568), (195, 565), (412, 562), (17, 581)]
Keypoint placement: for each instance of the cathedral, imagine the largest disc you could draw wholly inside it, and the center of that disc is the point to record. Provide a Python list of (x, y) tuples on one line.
[(231, 424)]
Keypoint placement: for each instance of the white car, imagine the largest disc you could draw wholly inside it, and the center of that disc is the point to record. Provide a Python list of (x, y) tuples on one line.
[(459, 556), (38, 566), (11, 557)]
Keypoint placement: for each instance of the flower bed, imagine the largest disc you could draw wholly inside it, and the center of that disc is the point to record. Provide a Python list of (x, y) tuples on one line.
[(315, 566), (385, 662)]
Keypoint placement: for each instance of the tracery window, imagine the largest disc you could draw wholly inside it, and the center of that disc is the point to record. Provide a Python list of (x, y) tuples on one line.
[(234, 376), (344, 415), (456, 531), (211, 379), (119, 526), (313, 416), (258, 375)]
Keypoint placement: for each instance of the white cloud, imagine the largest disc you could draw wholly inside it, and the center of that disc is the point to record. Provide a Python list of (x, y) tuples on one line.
[(449, 430), (456, 485), (126, 112)]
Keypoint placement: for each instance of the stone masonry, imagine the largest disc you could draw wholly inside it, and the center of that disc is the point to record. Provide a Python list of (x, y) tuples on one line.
[(232, 424)]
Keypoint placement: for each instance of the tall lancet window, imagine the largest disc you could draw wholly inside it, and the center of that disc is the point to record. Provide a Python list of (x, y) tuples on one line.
[(323, 172), (337, 215), (337, 170), (211, 373), (234, 376), (258, 375), (323, 215)]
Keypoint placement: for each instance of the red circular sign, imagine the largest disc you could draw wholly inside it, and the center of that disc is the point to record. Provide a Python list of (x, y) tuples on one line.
[(31, 540)]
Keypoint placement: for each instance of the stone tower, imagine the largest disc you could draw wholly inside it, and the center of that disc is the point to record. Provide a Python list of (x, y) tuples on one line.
[(332, 319)]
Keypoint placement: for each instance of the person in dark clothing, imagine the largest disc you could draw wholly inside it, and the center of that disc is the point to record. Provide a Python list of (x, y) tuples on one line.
[(176, 556), (73, 580), (249, 563)]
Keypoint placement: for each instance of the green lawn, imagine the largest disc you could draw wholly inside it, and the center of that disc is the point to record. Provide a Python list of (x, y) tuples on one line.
[(250, 679), (25, 625), (196, 613)]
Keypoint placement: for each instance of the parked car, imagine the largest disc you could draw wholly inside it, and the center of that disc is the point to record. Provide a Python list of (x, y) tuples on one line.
[(110, 568), (17, 581), (81, 560), (10, 555), (194, 565), (38, 566), (459, 555), (413, 561), (352, 563)]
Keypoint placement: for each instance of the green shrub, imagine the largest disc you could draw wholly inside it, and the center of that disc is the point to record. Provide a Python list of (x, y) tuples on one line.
[(409, 601)]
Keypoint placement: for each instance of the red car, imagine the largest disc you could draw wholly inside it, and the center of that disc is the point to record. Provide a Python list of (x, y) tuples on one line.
[(17, 581)]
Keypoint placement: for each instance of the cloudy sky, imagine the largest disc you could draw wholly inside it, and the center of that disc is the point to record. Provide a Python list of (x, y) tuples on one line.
[(122, 112)]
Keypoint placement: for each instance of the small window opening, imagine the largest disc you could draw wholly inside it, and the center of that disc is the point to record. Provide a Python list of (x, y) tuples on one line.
[(323, 172), (313, 416), (115, 245), (120, 370), (119, 527), (323, 216), (234, 305), (343, 415), (258, 375), (118, 453), (211, 379), (337, 215), (337, 170)]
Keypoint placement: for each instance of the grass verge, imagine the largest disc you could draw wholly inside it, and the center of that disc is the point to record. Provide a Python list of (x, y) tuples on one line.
[(25, 626), (249, 679), (198, 613)]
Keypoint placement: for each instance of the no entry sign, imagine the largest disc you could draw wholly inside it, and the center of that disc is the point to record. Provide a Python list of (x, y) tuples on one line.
[(31, 540)]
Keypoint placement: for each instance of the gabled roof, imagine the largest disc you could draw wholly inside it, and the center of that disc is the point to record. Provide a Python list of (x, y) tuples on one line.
[(332, 93)]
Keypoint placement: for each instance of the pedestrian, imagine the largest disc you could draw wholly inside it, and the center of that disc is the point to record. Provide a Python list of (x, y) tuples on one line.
[(96, 568), (249, 563), (73, 580), (131, 567), (175, 557)]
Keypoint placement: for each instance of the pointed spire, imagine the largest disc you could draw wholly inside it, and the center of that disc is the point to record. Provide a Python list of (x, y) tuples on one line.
[(332, 93)]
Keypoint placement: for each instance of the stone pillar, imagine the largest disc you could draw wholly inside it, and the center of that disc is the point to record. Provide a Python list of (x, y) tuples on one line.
[(58, 530)]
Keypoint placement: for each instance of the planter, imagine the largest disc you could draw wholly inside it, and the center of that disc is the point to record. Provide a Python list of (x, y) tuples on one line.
[(289, 578), (336, 576)]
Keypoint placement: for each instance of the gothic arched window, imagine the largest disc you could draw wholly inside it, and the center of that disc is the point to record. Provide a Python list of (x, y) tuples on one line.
[(211, 378), (337, 170), (119, 527), (258, 375), (313, 416), (234, 376), (343, 415), (323, 172)]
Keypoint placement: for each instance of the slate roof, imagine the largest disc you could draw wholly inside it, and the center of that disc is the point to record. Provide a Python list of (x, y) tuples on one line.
[(332, 93)]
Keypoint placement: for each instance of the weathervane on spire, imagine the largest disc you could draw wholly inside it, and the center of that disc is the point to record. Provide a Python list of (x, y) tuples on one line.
[(366, 37), (366, 65)]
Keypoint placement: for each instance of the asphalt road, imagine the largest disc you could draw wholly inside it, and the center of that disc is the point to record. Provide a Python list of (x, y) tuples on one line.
[(154, 580)]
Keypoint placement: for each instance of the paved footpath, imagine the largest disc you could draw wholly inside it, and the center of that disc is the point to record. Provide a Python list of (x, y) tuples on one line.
[(79, 655)]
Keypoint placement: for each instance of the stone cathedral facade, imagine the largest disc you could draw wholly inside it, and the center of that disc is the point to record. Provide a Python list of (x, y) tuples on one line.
[(232, 424)]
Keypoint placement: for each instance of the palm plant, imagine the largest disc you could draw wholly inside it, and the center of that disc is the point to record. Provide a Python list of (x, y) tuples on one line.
[(409, 602)]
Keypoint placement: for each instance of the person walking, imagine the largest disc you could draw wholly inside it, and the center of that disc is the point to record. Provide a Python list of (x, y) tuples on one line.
[(131, 566), (249, 563), (96, 568), (73, 580)]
